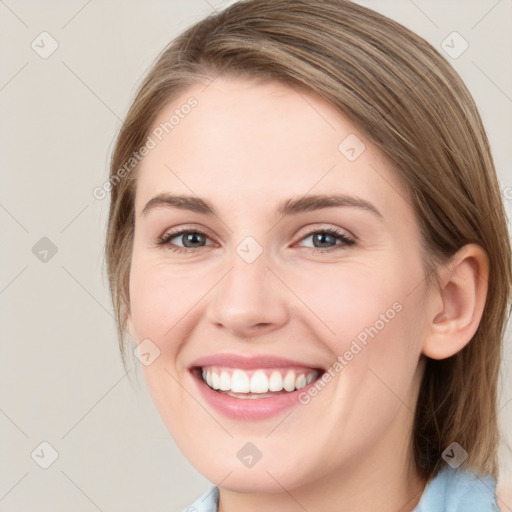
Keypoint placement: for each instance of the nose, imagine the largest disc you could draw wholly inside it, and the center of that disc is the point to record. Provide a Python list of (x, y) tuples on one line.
[(249, 301)]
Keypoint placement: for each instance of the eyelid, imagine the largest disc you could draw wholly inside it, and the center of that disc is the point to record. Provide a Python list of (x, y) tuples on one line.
[(170, 233), (305, 231), (311, 229), (187, 227), (344, 237)]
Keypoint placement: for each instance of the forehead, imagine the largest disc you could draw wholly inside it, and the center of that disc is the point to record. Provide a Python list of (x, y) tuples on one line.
[(259, 142)]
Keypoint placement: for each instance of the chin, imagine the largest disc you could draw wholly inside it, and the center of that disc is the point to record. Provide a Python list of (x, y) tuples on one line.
[(266, 476)]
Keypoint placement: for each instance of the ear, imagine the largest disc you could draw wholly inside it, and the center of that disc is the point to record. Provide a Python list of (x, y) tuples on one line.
[(457, 305)]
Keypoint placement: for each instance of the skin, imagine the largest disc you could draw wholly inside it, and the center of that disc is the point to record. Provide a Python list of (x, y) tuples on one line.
[(246, 147)]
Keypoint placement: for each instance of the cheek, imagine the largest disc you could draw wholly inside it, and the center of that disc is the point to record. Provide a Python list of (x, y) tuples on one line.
[(353, 297), (370, 319), (159, 298), (151, 304)]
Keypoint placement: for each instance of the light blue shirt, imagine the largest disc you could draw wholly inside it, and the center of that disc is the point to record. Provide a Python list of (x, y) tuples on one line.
[(452, 490)]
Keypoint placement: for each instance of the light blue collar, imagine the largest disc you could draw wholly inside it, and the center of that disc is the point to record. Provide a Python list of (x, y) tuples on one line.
[(207, 502), (452, 490), (455, 490)]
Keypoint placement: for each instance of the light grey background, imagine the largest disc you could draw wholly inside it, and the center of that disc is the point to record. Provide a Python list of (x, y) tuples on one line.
[(61, 377)]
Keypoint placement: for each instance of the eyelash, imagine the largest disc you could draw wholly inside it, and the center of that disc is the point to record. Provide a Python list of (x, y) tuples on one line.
[(346, 240)]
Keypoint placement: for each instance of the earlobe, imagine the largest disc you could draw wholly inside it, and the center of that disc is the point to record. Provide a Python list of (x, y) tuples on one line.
[(458, 304)]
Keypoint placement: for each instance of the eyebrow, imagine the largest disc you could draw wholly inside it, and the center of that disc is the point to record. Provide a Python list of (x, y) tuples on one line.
[(286, 208)]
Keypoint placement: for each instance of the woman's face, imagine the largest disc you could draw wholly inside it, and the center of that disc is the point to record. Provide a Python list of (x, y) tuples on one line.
[(302, 256)]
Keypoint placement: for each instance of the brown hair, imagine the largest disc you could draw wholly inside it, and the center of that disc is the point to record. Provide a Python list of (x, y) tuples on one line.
[(406, 98)]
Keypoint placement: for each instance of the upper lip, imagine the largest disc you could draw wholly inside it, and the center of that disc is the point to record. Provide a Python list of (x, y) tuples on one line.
[(249, 362)]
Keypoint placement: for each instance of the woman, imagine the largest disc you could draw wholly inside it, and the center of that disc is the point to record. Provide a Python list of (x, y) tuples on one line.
[(307, 242)]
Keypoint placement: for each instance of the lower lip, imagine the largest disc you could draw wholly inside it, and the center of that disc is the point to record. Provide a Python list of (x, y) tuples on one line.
[(249, 408)]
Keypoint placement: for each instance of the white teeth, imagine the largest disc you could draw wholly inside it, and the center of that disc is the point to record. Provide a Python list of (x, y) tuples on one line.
[(289, 381), (225, 381), (215, 380), (239, 382), (209, 378), (258, 383), (275, 383), (300, 382)]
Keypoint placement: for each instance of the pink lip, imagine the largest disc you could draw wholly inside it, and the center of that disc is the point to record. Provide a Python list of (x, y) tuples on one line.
[(244, 362), (245, 408)]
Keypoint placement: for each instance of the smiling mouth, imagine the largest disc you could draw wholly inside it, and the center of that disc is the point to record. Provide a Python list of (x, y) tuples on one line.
[(256, 383)]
